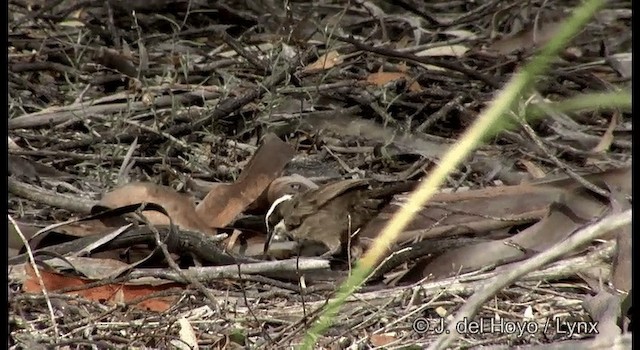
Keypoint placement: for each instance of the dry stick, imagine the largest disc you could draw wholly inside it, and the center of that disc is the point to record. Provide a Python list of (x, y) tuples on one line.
[(476, 13), (33, 15), (79, 325), (276, 284), (213, 304), (32, 262), (238, 48), (82, 111), (561, 165), (468, 283), (263, 326), (127, 164), (413, 6), (212, 273), (425, 60), (58, 200), (224, 108), (175, 141), (580, 238), (306, 317), (111, 25), (291, 330), (93, 156), (231, 105), (440, 114)]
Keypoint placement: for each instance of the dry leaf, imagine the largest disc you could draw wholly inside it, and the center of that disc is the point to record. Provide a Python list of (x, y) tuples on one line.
[(27, 230), (526, 39), (12, 144), (187, 336), (326, 61), (144, 56), (555, 227), (449, 214), (606, 140), (402, 67), (622, 261), (383, 78), (621, 272), (180, 207), (604, 309), (461, 34), (71, 23), (446, 50), (90, 227), (622, 63), (231, 240), (491, 209), (469, 212), (110, 292), (533, 169), (382, 339), (223, 203), (25, 167)]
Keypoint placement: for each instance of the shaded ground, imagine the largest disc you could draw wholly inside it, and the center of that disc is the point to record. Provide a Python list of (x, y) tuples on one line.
[(192, 87)]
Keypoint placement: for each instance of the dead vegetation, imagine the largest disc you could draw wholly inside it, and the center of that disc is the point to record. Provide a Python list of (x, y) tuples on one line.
[(129, 118)]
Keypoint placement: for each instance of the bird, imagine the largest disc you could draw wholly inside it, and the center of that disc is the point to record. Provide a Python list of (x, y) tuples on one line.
[(332, 212)]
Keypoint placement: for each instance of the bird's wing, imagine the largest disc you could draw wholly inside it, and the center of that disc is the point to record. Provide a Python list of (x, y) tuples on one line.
[(324, 194), (389, 190)]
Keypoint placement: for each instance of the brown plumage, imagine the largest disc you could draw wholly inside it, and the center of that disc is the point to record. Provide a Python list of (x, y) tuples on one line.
[(330, 213)]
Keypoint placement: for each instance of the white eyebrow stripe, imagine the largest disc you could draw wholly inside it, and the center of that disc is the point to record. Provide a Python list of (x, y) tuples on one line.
[(286, 197)]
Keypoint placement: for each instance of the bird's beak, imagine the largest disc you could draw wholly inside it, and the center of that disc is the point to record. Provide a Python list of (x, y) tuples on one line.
[(279, 228), (278, 233)]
